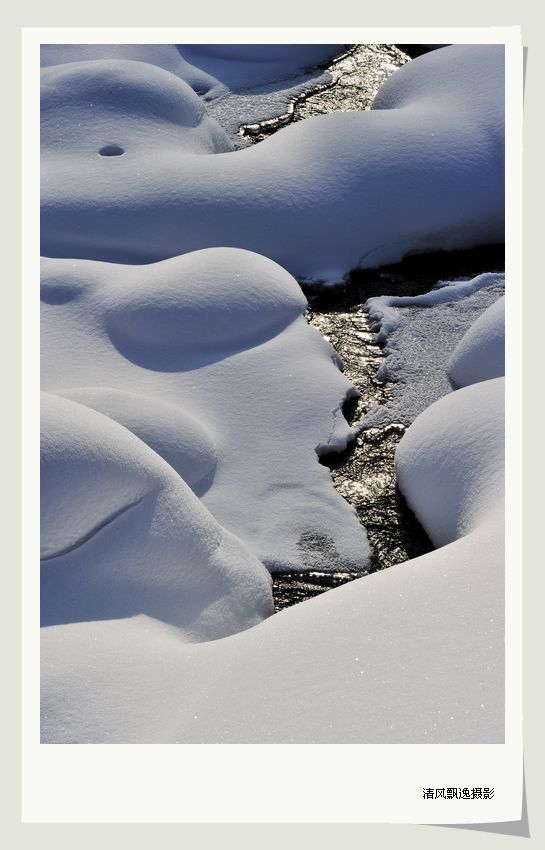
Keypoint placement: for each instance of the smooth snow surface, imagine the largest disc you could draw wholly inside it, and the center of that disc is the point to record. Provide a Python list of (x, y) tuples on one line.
[(450, 462), (311, 197), (122, 534), (480, 354), (208, 359), (413, 654)]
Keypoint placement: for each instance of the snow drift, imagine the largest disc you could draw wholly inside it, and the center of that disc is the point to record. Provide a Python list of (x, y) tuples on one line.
[(413, 654), (433, 340), (186, 401), (312, 197), (122, 534), (208, 359), (480, 354)]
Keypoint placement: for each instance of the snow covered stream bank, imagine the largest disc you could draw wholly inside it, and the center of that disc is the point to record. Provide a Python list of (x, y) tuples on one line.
[(353, 81), (188, 402)]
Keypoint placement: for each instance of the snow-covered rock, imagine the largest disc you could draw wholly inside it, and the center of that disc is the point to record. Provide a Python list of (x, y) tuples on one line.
[(208, 359), (312, 197), (480, 354)]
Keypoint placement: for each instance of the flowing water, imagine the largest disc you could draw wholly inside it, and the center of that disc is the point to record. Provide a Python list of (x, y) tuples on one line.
[(364, 474)]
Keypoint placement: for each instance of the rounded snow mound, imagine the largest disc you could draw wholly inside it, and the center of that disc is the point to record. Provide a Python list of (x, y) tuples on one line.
[(202, 305), (112, 107), (458, 75), (480, 354), (123, 535), (450, 461), (174, 434), (310, 197)]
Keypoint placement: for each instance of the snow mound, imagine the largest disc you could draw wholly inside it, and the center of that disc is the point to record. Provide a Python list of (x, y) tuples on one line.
[(243, 67), (166, 56), (224, 309), (137, 109), (480, 354), (212, 70), (123, 534), (418, 335), (310, 197), (208, 359), (174, 434), (412, 654), (450, 462)]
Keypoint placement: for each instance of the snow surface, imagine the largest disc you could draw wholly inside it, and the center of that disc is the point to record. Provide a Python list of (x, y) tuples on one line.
[(311, 197), (212, 70), (208, 359), (421, 335), (450, 462), (186, 401), (122, 534), (412, 654), (480, 354), (240, 84)]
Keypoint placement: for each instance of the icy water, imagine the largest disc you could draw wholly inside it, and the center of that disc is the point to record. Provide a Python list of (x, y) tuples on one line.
[(365, 473), (356, 77)]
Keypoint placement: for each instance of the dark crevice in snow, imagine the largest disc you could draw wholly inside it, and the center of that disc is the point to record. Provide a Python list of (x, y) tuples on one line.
[(77, 544), (111, 150)]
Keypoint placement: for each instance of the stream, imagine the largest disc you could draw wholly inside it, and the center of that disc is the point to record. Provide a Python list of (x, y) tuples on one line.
[(364, 474)]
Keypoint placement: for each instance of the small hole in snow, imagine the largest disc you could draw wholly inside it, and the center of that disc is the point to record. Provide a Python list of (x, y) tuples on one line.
[(111, 150)]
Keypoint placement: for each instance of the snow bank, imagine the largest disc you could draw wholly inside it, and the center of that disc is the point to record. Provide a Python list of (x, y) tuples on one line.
[(312, 197), (239, 67), (180, 439), (412, 654), (480, 354), (212, 70), (208, 359), (419, 335), (450, 462), (89, 106), (122, 534)]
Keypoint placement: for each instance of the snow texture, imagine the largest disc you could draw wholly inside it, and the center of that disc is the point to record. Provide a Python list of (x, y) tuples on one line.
[(412, 654), (240, 84), (208, 359), (122, 534), (311, 197), (419, 335), (186, 400), (480, 354), (450, 462)]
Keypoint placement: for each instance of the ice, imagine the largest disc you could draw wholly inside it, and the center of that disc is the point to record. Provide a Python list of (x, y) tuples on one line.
[(420, 334)]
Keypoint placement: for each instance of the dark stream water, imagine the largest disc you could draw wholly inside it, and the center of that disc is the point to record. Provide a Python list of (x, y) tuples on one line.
[(356, 77), (364, 474)]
